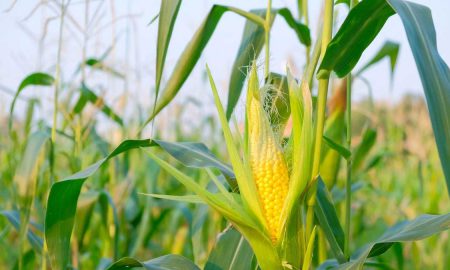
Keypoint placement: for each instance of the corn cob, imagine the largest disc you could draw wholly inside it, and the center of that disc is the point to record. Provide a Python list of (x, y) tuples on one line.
[(269, 168)]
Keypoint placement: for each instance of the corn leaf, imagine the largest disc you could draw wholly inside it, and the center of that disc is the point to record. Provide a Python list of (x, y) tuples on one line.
[(252, 43), (106, 202), (301, 30), (167, 262), (36, 79), (63, 198), (390, 49), (167, 16), (343, 151), (309, 250), (434, 73), (100, 65), (242, 171), (25, 178), (182, 198), (328, 221), (87, 95), (232, 210), (14, 218), (231, 251), (422, 227), (197, 155), (358, 30), (362, 150), (192, 52), (335, 130), (62, 204)]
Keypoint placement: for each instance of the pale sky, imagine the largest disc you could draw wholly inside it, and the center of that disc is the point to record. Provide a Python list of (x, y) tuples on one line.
[(135, 49)]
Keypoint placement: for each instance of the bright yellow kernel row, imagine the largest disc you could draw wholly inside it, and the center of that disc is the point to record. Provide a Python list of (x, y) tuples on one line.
[(269, 168)]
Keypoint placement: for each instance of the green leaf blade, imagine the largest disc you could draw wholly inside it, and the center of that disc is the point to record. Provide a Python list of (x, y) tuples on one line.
[(359, 29), (434, 73)]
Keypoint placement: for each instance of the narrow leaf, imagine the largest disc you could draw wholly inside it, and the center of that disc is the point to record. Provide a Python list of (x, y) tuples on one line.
[(359, 29), (167, 16), (343, 151), (329, 222), (100, 65), (87, 95), (390, 49), (252, 42), (192, 53), (167, 262), (39, 78), (251, 45)]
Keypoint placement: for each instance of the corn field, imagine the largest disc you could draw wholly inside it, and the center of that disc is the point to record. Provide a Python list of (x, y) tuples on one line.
[(267, 170)]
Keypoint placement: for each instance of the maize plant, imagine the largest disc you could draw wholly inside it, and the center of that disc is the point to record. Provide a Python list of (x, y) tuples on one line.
[(288, 201), (268, 208)]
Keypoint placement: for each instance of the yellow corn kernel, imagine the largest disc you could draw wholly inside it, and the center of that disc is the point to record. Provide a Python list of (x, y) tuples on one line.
[(269, 168)]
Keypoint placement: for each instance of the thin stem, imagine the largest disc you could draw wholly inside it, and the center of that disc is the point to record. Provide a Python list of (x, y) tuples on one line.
[(306, 22), (267, 38), (348, 182), (58, 71), (299, 9), (311, 67), (320, 116)]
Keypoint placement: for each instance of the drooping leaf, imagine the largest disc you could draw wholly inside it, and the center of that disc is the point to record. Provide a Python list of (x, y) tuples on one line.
[(197, 155), (167, 262), (87, 95), (63, 197), (343, 151), (434, 73), (422, 227), (301, 30), (358, 30), (329, 222), (37, 79), (167, 16), (230, 252), (390, 49), (100, 65)]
